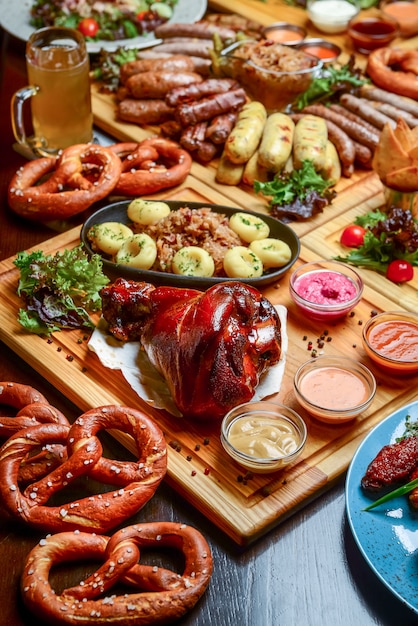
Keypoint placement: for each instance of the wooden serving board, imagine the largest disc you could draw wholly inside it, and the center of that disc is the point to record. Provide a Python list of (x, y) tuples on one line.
[(207, 477)]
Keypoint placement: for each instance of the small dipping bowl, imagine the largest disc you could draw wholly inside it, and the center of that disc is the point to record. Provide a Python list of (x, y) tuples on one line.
[(331, 16), (391, 340), (325, 290), (263, 436), (283, 32), (370, 33), (334, 389), (321, 49), (405, 13)]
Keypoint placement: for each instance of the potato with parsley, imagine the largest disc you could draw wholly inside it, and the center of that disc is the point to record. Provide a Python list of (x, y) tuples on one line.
[(109, 236), (242, 262), (147, 212), (272, 252), (249, 227), (138, 251), (193, 261)]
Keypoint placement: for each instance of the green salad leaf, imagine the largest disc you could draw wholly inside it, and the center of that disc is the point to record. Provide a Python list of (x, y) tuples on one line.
[(389, 236), (59, 291), (330, 82), (287, 186)]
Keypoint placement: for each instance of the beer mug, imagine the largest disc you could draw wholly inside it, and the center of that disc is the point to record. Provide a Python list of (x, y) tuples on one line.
[(57, 64)]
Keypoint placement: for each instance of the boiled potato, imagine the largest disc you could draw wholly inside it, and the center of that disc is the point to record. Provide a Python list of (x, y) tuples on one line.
[(109, 236), (272, 252), (193, 261), (241, 262), (147, 212), (249, 227), (138, 251)]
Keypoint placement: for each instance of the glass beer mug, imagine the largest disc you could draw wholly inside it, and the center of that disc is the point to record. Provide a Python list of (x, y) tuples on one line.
[(57, 64)]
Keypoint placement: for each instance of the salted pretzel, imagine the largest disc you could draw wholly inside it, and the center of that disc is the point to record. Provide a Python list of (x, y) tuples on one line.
[(33, 408), (136, 481), (53, 188), (154, 595), (150, 166), (395, 70)]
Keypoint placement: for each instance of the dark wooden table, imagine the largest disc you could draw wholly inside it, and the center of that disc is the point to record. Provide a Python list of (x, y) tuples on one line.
[(308, 571)]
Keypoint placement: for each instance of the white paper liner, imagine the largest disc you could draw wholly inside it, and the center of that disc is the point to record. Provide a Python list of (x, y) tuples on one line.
[(150, 386)]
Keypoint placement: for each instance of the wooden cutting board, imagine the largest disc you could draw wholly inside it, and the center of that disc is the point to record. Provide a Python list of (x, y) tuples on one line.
[(207, 477)]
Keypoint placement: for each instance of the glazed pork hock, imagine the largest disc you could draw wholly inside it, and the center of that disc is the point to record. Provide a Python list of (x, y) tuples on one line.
[(211, 347)]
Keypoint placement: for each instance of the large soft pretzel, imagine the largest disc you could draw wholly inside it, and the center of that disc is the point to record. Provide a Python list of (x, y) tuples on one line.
[(150, 166), (154, 595), (136, 485), (33, 409), (395, 70), (79, 177)]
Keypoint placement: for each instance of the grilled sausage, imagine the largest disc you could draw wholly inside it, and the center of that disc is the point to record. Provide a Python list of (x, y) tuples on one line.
[(141, 112), (177, 63), (188, 114), (220, 127), (158, 84), (353, 130), (364, 110), (195, 91)]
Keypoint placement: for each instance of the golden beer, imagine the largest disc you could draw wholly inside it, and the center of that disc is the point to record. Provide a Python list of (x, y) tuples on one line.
[(58, 70)]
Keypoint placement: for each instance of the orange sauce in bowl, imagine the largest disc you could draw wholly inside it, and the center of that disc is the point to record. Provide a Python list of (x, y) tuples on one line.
[(406, 14), (321, 52), (281, 35), (397, 340)]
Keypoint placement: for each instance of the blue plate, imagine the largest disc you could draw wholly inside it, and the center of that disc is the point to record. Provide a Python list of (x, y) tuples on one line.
[(387, 535)]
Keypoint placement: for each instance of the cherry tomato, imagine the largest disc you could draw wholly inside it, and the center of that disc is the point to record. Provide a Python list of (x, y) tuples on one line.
[(399, 271), (353, 236), (88, 27)]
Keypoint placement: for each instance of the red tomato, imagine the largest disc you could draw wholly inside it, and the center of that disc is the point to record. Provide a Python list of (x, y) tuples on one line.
[(88, 27), (399, 271), (353, 236)]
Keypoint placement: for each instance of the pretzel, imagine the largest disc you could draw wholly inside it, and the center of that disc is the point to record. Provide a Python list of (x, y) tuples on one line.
[(79, 177), (403, 80), (34, 409), (150, 166), (136, 482), (155, 595)]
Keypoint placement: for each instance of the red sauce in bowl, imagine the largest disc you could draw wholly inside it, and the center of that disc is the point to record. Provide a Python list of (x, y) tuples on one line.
[(326, 54), (396, 340), (369, 33)]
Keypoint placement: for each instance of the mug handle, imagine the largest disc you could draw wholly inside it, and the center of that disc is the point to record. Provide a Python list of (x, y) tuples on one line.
[(18, 100)]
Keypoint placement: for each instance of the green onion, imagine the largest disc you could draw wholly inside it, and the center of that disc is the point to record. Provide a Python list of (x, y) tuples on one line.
[(400, 491)]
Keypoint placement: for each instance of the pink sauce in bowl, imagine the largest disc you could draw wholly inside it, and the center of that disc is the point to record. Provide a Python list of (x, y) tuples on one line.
[(334, 389), (325, 290)]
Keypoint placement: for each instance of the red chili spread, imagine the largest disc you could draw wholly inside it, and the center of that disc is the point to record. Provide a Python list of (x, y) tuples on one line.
[(396, 340)]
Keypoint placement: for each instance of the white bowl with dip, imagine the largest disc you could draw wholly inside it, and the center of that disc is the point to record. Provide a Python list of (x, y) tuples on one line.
[(332, 16), (325, 290), (334, 389), (263, 436)]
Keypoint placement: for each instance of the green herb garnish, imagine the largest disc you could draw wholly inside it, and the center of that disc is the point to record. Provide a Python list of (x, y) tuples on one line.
[(59, 291), (400, 491), (287, 186), (332, 81)]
